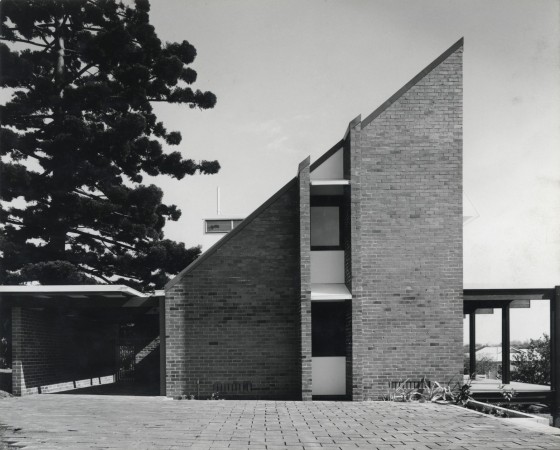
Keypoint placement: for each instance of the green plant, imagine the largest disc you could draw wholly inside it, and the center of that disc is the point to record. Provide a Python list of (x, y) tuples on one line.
[(401, 393), (508, 393), (436, 392), (215, 396), (428, 391), (532, 365), (464, 394), (4, 363)]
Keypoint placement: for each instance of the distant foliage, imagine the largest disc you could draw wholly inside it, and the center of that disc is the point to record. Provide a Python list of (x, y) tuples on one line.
[(78, 135), (533, 364)]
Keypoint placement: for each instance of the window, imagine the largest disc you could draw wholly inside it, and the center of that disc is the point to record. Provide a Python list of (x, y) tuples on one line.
[(328, 328), (220, 225), (327, 217)]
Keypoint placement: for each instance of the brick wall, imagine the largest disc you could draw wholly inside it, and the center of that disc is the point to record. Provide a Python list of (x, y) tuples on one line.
[(235, 318), (407, 195), (50, 349), (355, 255), (305, 277)]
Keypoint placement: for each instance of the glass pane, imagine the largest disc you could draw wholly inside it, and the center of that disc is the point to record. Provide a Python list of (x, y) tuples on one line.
[(325, 226), (218, 226), (466, 346), (530, 342), (328, 329), (489, 344)]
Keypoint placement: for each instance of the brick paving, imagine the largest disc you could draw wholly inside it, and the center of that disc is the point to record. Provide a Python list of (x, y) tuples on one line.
[(86, 422)]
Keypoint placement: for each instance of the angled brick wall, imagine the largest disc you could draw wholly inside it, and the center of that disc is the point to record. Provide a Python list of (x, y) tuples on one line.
[(407, 195), (235, 318)]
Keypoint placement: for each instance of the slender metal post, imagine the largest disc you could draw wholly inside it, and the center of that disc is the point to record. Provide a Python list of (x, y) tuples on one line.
[(162, 349), (472, 344), (555, 356), (505, 345)]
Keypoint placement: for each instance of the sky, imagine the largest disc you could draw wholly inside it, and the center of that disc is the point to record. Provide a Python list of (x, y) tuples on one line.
[(290, 75)]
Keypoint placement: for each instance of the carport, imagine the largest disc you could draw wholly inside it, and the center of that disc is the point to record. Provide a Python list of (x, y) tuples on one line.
[(91, 338)]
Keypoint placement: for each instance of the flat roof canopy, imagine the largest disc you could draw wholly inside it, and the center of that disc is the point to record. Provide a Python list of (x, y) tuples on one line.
[(330, 291), (99, 295), (481, 299)]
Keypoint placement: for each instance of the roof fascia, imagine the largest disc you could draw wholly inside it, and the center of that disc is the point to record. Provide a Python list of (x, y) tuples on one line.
[(71, 288), (302, 165), (353, 123), (436, 62), (229, 236)]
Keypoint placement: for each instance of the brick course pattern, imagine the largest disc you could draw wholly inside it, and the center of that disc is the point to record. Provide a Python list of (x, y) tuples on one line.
[(233, 321), (305, 278), (117, 422), (50, 350), (407, 191)]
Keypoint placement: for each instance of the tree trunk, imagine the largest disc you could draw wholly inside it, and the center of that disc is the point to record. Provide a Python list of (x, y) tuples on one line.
[(59, 229)]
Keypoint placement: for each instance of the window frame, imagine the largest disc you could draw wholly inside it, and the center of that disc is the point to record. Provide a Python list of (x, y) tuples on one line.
[(232, 225), (330, 200)]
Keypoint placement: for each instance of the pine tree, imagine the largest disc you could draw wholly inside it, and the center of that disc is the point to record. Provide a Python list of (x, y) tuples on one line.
[(78, 134)]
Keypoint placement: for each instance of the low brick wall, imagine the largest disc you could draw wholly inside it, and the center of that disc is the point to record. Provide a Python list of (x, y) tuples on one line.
[(6, 380), (51, 350)]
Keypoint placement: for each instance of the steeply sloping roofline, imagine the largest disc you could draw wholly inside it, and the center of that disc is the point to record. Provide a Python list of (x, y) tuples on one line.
[(229, 236), (317, 163), (336, 147), (436, 62)]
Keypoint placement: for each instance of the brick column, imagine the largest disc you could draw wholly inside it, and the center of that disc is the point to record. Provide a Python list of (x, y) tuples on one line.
[(305, 277), (356, 258), (17, 347)]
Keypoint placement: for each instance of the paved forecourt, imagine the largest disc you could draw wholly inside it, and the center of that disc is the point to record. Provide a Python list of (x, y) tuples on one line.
[(90, 421)]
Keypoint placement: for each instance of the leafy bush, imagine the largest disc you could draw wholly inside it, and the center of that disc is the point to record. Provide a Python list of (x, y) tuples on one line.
[(4, 357), (430, 391), (533, 364)]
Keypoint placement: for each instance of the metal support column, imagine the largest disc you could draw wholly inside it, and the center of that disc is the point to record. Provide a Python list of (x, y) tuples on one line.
[(472, 344), (505, 345), (555, 356), (162, 349)]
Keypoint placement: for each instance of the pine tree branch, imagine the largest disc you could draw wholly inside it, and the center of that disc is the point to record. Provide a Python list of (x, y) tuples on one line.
[(25, 41), (46, 47), (92, 196), (92, 29), (94, 273), (41, 33), (101, 238), (94, 3), (37, 116), (14, 222), (81, 72)]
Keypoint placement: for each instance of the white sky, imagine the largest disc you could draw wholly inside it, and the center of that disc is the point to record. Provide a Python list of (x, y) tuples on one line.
[(525, 324), (290, 75)]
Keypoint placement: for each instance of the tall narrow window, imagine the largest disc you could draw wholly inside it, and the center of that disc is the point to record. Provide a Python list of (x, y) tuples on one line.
[(326, 223)]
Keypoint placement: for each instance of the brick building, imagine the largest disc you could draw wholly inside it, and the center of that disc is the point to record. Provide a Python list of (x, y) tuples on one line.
[(349, 277), (345, 280)]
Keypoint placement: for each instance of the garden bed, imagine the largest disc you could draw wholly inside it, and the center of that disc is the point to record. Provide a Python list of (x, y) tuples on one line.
[(503, 413)]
